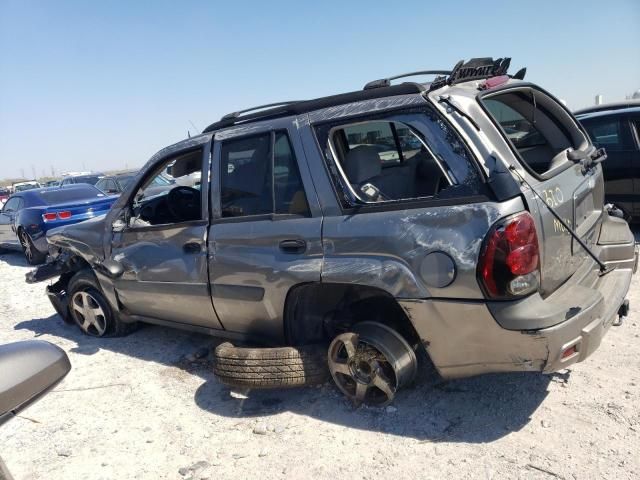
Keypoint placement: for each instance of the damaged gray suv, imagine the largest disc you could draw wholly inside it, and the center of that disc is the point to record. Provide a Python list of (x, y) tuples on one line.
[(462, 218)]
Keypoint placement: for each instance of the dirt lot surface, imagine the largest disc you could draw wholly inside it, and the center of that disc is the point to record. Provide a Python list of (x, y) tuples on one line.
[(141, 408)]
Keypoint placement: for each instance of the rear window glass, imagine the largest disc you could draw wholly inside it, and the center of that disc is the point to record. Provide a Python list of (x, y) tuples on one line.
[(535, 133), (64, 195), (23, 188)]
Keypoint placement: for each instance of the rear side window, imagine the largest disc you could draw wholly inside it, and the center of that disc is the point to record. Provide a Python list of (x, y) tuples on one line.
[(538, 128), (610, 133), (398, 156), (381, 136), (260, 176)]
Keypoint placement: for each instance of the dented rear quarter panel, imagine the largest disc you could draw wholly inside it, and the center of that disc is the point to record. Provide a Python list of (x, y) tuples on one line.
[(386, 249)]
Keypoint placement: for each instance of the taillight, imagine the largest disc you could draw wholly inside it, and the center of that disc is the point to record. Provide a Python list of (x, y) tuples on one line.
[(510, 258), (51, 216)]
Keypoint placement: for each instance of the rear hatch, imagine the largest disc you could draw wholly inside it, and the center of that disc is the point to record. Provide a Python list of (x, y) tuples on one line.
[(541, 132)]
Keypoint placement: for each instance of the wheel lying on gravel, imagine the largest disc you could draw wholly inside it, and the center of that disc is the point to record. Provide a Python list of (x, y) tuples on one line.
[(90, 310), (370, 364), (270, 367)]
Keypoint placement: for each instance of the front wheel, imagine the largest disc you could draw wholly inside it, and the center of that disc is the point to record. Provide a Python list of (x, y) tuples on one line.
[(90, 310), (31, 253)]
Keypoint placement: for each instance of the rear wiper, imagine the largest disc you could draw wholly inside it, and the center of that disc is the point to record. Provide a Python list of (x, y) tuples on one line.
[(603, 267)]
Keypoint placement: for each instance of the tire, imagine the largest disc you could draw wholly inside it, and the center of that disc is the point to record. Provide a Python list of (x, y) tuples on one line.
[(31, 253), (285, 367), (84, 291)]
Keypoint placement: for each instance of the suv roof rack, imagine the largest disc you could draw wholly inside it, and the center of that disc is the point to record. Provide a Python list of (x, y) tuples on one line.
[(295, 108), (475, 68), (234, 115), (386, 82)]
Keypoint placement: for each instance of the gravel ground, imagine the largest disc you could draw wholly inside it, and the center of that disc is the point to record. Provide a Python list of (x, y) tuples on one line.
[(140, 407)]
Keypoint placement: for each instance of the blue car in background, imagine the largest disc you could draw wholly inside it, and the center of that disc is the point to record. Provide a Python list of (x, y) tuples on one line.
[(27, 216)]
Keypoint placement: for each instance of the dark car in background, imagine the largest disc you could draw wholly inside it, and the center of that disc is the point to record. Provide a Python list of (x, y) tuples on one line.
[(116, 184), (89, 179), (27, 216), (616, 127)]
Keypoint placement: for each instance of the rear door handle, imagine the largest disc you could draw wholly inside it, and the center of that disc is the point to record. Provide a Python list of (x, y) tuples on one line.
[(191, 247), (293, 246)]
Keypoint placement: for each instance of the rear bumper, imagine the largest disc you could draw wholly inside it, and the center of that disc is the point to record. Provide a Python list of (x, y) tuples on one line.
[(585, 331), (465, 338)]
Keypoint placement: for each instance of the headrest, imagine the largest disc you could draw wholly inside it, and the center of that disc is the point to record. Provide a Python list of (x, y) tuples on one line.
[(362, 163)]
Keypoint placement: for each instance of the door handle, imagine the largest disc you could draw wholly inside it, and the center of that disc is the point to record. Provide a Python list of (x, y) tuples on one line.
[(293, 246), (191, 247)]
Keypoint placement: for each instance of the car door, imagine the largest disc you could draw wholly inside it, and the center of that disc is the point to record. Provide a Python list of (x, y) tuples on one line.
[(613, 132), (635, 163), (265, 234), (164, 256), (8, 235)]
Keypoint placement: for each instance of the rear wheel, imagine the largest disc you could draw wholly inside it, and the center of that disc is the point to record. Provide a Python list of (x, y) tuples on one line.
[(370, 364), (31, 253), (90, 310)]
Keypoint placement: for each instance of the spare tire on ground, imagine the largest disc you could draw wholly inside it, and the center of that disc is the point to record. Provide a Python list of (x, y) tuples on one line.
[(284, 367)]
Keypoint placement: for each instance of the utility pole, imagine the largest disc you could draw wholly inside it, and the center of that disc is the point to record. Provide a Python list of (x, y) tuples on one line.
[(22, 173), (33, 170)]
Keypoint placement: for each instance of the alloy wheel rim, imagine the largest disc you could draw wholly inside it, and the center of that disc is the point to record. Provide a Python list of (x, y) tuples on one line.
[(359, 372), (26, 245), (371, 364), (88, 314)]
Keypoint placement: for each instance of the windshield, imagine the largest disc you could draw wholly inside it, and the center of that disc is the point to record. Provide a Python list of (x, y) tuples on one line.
[(161, 181), (125, 181), (64, 195)]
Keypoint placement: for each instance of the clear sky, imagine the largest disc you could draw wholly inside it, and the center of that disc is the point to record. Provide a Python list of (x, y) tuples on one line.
[(104, 85)]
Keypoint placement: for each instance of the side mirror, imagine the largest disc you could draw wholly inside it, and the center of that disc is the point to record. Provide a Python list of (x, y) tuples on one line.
[(112, 268), (29, 369)]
